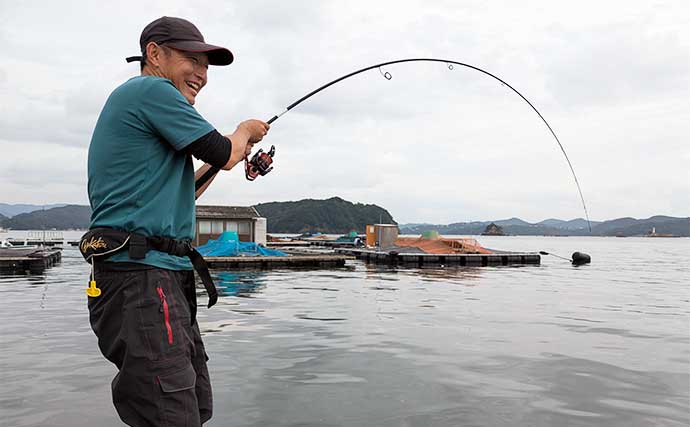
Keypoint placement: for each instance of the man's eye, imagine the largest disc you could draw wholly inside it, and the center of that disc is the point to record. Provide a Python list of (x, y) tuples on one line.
[(194, 59)]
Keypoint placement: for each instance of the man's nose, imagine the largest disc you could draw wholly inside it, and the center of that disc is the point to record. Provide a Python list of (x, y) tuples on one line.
[(201, 72)]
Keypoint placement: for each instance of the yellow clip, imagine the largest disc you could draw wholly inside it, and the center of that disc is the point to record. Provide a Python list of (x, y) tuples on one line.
[(92, 290)]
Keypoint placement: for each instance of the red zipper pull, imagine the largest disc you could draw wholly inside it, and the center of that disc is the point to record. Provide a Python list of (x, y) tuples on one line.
[(164, 305)]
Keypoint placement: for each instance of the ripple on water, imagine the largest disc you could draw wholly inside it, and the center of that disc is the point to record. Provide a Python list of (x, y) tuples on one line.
[(607, 344)]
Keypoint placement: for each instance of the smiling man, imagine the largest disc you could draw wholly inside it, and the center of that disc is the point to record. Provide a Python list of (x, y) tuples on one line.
[(141, 189)]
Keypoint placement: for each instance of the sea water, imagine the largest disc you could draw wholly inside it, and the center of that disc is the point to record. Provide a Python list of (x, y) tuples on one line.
[(606, 344)]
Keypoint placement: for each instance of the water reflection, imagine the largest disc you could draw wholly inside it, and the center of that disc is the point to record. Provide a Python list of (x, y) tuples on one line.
[(435, 273), (380, 346), (240, 283), (27, 279)]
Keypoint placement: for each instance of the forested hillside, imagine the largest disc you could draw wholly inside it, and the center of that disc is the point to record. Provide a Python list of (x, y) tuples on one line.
[(333, 215), (62, 218)]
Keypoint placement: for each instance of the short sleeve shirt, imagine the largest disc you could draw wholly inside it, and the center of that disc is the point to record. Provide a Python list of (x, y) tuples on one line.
[(140, 178)]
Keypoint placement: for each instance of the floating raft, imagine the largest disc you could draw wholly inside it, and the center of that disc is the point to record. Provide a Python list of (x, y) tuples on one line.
[(334, 244), (293, 244), (423, 259), (307, 243), (34, 263), (295, 260), (50, 242)]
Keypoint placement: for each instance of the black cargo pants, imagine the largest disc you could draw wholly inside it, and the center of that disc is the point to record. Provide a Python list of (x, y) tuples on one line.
[(143, 324)]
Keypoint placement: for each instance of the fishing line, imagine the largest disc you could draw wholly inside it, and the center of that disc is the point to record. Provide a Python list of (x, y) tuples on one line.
[(557, 256), (388, 76), (578, 258)]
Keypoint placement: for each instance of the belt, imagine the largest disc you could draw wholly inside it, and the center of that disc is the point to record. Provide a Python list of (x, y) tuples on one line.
[(101, 241)]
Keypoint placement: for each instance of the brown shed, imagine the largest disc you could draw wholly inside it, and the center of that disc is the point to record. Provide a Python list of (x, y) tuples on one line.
[(211, 221)]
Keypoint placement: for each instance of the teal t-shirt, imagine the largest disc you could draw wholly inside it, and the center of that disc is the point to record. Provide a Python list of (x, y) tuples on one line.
[(140, 179)]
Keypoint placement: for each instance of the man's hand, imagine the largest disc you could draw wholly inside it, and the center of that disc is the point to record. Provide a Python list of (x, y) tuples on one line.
[(255, 130), (248, 150), (248, 133)]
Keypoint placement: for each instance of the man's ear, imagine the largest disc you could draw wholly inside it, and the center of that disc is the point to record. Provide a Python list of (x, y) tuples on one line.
[(153, 54)]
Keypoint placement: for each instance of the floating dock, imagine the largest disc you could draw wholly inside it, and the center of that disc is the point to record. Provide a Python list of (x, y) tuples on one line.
[(307, 243), (34, 263), (20, 242), (423, 259), (334, 244), (294, 260), (44, 238), (293, 244)]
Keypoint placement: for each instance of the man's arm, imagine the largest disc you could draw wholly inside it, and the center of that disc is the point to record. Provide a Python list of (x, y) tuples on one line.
[(198, 174), (224, 152)]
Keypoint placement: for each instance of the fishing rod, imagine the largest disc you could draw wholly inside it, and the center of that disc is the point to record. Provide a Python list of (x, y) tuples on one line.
[(259, 163)]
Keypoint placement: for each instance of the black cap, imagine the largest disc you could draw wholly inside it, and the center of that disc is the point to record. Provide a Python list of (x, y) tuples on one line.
[(181, 34)]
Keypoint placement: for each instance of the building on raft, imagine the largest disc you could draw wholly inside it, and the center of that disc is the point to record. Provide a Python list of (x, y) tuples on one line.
[(430, 249), (212, 221), (385, 237)]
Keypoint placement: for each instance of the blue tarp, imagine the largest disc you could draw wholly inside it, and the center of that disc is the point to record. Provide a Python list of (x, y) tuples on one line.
[(228, 244)]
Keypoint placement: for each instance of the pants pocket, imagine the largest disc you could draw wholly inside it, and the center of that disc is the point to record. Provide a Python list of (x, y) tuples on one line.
[(184, 379), (178, 404)]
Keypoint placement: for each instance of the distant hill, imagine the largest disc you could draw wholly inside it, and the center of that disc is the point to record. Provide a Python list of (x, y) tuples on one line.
[(512, 226), (333, 215), (336, 215), (554, 227), (573, 224), (60, 218), (12, 210), (640, 227), (511, 221)]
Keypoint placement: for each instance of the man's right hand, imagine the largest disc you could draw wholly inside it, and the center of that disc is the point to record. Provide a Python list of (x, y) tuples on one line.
[(255, 129), (245, 136)]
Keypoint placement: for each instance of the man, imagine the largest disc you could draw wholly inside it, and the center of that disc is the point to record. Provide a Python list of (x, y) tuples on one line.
[(141, 184)]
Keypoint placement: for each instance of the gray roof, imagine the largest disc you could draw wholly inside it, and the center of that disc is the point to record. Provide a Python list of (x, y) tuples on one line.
[(227, 212)]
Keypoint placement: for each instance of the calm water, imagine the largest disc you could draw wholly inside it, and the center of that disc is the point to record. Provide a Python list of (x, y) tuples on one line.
[(605, 344)]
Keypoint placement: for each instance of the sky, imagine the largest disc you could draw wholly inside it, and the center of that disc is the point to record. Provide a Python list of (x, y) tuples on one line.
[(430, 145)]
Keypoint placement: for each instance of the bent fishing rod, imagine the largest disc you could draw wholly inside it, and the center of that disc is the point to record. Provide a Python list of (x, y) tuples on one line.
[(259, 165)]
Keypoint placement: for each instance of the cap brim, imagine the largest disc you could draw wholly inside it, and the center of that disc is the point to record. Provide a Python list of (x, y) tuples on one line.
[(217, 55)]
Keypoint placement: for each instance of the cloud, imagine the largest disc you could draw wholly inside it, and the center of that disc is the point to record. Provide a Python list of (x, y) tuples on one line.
[(431, 144), (39, 173), (620, 68)]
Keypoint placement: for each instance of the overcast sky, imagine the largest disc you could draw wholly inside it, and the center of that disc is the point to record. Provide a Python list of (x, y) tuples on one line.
[(430, 145)]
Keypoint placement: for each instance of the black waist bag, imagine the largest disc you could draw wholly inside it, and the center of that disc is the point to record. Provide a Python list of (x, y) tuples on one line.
[(100, 242)]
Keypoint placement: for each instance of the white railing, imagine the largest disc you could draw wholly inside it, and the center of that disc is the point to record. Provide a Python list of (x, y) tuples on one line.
[(45, 236)]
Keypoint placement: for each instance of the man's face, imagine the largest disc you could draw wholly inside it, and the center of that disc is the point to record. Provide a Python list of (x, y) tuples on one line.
[(187, 71)]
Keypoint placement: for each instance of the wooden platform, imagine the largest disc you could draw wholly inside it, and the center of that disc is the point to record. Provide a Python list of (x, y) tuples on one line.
[(306, 243), (293, 244), (34, 263), (295, 260), (19, 242), (324, 243), (422, 259), (333, 244)]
